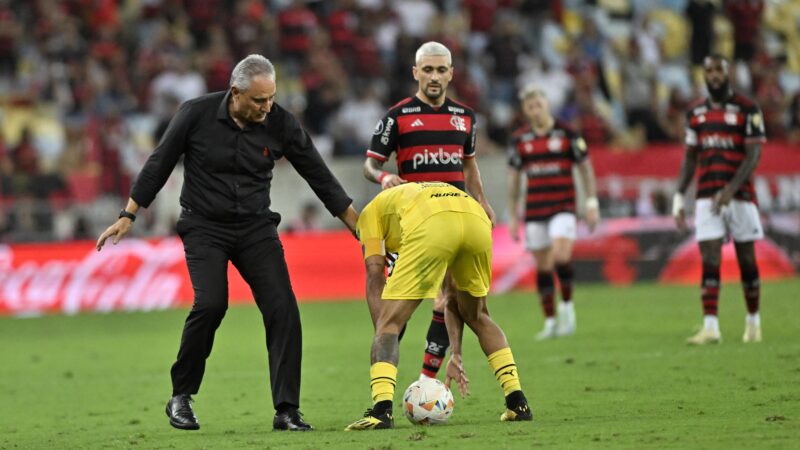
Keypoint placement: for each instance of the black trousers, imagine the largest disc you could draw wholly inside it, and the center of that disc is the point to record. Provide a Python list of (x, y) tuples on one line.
[(255, 250)]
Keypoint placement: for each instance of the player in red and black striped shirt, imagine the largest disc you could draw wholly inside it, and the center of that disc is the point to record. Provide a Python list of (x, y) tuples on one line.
[(433, 138), (724, 134), (546, 150)]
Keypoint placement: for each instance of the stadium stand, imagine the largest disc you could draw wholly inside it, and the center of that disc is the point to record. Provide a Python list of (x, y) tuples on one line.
[(87, 86)]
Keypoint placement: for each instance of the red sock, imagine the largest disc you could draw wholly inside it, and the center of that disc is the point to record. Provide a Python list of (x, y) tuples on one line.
[(565, 275), (546, 286), (751, 284), (436, 346), (710, 290)]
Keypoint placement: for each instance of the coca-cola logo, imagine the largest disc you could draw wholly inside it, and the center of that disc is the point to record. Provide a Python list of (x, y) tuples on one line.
[(133, 275)]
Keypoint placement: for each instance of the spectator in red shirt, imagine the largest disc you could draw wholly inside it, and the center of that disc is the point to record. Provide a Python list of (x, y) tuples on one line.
[(296, 25), (588, 121), (769, 95), (202, 13), (343, 23), (745, 15), (250, 30)]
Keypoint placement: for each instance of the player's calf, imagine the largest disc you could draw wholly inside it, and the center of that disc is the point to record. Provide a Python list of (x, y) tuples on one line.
[(436, 344)]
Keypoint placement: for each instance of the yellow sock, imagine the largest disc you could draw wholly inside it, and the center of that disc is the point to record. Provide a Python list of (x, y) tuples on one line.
[(505, 370), (383, 377)]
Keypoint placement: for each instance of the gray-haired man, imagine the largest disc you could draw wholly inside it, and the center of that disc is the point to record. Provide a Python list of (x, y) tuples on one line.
[(230, 141)]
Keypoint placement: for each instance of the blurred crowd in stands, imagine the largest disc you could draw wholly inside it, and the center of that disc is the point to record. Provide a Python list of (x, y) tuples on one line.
[(88, 86)]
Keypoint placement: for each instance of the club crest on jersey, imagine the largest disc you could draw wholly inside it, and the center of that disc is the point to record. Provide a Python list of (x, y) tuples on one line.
[(755, 119), (701, 118), (458, 123), (554, 144), (528, 147), (580, 144), (730, 118)]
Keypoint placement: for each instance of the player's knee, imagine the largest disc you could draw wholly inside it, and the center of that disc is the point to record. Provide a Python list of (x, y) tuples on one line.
[(469, 315), (746, 256), (561, 256), (388, 327), (748, 266), (710, 257), (748, 263), (441, 302), (210, 306), (482, 324), (389, 323), (711, 261)]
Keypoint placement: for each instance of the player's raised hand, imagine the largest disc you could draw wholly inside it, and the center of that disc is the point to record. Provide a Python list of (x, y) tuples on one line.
[(117, 230), (455, 371)]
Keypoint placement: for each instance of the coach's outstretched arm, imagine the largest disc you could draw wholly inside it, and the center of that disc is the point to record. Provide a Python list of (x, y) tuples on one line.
[(121, 227), (349, 217)]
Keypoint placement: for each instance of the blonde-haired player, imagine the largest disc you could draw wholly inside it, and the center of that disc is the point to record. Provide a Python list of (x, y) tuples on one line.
[(546, 150)]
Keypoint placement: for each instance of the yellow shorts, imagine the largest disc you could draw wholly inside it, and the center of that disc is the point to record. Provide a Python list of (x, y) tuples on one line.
[(459, 241)]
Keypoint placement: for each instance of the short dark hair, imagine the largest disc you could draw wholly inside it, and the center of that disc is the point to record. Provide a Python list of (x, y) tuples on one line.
[(716, 57)]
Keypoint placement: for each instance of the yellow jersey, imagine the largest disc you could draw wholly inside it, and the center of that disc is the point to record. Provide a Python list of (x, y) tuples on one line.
[(397, 211)]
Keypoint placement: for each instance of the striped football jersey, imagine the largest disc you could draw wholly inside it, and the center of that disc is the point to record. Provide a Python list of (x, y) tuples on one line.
[(547, 162), (431, 143), (719, 133)]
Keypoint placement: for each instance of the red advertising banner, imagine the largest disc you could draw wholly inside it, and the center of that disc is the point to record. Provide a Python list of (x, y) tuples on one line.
[(143, 275), (664, 161), (151, 274)]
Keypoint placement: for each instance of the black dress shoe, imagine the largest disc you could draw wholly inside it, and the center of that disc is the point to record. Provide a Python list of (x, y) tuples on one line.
[(179, 411), (291, 420)]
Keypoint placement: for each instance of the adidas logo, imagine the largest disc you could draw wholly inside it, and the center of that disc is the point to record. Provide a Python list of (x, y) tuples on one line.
[(417, 123)]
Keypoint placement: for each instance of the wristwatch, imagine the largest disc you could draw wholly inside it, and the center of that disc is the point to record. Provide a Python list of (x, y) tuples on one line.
[(127, 215)]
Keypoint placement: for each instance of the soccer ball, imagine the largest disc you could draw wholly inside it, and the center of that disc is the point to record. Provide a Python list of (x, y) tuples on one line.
[(428, 402)]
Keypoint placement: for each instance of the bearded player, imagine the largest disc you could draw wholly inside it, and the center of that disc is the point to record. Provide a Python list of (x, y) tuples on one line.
[(724, 134)]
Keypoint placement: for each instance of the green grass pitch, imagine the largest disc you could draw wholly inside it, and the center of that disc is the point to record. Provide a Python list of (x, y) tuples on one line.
[(625, 380)]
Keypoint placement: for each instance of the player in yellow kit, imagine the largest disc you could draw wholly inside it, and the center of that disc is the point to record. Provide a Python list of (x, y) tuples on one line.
[(434, 227)]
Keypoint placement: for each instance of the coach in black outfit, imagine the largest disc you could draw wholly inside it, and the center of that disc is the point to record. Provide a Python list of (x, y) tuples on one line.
[(230, 141)]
